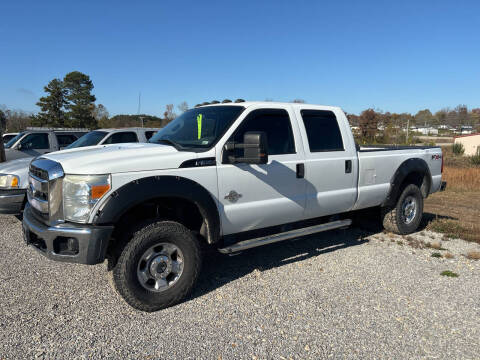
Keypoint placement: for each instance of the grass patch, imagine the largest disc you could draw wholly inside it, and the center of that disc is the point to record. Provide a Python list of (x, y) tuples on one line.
[(458, 149), (452, 229), (449, 273), (415, 243), (473, 255), (436, 255), (462, 178), (400, 242)]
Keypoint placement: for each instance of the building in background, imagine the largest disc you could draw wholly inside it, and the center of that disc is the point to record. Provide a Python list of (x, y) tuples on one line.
[(471, 143)]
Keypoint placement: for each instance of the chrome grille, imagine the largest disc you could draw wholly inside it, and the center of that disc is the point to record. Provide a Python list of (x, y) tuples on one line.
[(38, 173), (38, 193), (45, 189)]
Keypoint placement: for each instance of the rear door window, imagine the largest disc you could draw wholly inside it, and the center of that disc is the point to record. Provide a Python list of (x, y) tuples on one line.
[(65, 139), (322, 130), (122, 137)]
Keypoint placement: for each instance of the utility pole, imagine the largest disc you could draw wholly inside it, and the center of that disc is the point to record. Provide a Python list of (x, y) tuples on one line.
[(139, 99), (408, 126), (138, 109)]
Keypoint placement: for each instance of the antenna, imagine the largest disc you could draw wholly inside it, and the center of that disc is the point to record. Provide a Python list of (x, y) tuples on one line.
[(138, 110)]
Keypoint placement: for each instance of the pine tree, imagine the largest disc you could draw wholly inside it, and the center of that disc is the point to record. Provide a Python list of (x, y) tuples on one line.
[(80, 101), (52, 106)]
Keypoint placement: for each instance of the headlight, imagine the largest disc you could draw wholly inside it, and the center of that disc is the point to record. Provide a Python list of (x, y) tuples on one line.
[(81, 193), (9, 181)]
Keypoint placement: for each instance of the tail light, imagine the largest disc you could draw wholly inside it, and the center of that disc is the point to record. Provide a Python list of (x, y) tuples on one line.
[(442, 164)]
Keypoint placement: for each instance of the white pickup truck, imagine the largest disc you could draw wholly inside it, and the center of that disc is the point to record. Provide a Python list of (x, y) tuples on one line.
[(231, 175)]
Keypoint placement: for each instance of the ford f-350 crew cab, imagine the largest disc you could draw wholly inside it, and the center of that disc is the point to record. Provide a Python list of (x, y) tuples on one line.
[(231, 175)]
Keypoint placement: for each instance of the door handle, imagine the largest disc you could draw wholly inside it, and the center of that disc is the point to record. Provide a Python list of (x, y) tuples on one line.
[(300, 171), (348, 166)]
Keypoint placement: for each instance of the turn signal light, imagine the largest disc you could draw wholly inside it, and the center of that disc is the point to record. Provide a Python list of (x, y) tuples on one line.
[(99, 190)]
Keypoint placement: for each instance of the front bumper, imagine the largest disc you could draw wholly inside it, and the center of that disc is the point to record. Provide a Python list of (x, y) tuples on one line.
[(67, 242), (12, 201)]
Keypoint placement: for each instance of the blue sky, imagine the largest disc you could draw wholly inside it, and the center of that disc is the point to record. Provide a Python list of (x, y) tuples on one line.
[(392, 55)]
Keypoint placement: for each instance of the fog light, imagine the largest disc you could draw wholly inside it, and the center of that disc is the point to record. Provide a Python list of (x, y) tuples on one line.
[(65, 246)]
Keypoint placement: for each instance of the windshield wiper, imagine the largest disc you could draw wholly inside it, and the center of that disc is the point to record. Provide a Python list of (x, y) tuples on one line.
[(169, 142)]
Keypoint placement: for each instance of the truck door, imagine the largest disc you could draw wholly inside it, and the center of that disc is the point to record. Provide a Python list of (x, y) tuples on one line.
[(258, 196), (331, 162)]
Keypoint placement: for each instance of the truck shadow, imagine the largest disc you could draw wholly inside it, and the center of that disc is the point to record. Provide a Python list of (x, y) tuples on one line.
[(219, 269)]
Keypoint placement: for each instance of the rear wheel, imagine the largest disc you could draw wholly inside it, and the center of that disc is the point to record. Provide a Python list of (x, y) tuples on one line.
[(158, 267), (405, 217)]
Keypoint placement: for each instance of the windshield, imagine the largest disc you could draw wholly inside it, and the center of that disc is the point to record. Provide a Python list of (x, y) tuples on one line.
[(198, 128), (89, 139), (10, 143)]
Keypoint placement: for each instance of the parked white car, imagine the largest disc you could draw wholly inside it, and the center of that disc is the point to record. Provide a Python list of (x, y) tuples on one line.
[(8, 136), (14, 173), (234, 176)]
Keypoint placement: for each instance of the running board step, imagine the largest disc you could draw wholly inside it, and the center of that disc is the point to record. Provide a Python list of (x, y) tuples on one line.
[(251, 243)]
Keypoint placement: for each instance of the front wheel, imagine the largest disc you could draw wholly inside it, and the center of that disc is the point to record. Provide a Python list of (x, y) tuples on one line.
[(158, 267), (405, 217)]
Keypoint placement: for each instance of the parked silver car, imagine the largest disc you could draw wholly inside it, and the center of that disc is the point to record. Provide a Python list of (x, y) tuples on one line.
[(14, 174)]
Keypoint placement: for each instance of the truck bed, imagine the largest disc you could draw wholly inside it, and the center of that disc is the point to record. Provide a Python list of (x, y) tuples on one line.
[(378, 164), (368, 148)]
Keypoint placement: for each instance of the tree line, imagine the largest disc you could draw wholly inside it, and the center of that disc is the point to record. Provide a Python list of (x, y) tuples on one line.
[(386, 127), (69, 102)]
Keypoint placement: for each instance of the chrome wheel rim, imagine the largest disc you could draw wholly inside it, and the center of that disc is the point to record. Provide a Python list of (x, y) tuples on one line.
[(160, 267), (409, 209)]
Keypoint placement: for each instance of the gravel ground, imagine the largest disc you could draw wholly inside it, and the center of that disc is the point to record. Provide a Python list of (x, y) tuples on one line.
[(345, 294)]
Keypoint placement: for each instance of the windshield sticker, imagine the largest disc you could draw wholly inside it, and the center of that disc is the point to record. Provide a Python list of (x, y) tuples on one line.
[(199, 125)]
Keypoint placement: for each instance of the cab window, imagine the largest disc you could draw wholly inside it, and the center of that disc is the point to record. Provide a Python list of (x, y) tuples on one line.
[(275, 123), (36, 141)]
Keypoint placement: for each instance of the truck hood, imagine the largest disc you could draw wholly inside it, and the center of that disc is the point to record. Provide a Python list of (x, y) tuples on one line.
[(111, 159), (12, 154), (17, 167), (11, 167)]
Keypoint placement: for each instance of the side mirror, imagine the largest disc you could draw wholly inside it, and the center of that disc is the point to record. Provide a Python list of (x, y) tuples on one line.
[(19, 147), (255, 149)]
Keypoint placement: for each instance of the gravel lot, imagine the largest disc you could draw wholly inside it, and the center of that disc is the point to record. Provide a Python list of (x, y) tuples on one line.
[(334, 295)]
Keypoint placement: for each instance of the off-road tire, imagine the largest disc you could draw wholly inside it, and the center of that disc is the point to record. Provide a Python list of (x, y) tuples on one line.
[(145, 236), (392, 218)]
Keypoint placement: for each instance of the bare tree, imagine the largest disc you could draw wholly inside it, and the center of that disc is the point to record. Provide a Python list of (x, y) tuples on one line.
[(183, 106), (17, 120), (169, 115), (368, 122), (100, 112), (298, 101)]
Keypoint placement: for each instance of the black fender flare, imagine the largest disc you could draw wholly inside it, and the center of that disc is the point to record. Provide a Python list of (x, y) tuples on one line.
[(141, 190), (409, 166)]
